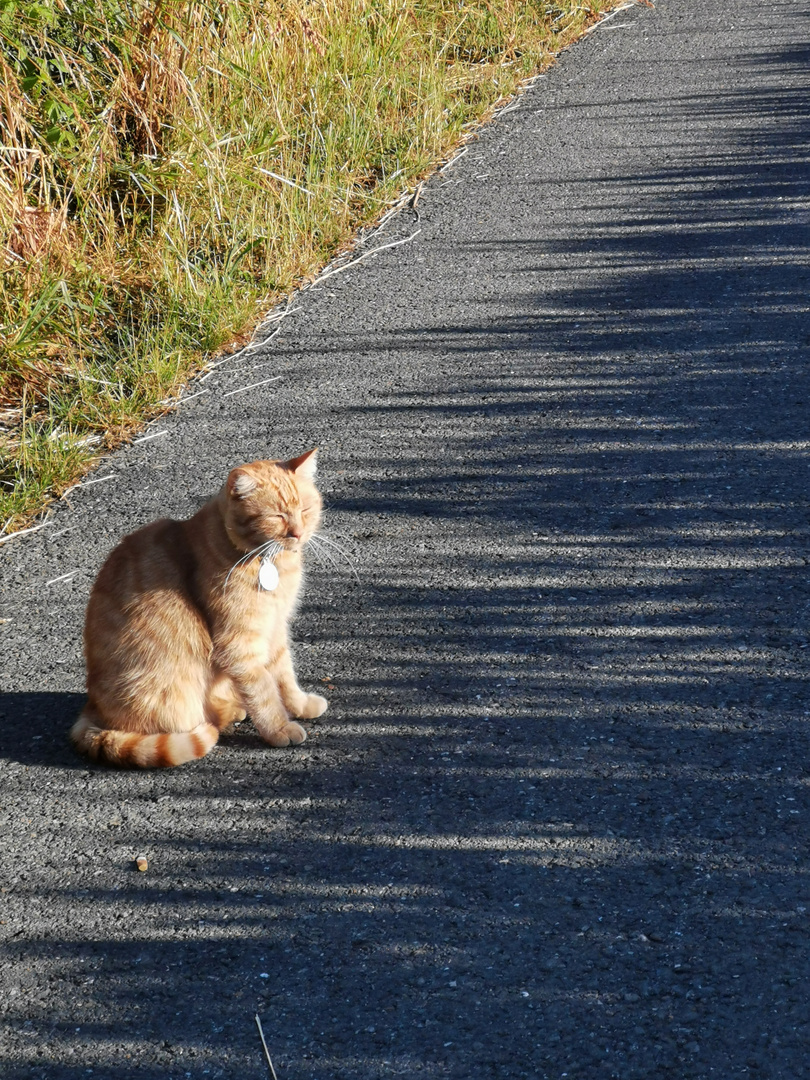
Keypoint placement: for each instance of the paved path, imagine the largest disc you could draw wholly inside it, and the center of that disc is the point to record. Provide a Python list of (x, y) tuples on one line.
[(555, 823)]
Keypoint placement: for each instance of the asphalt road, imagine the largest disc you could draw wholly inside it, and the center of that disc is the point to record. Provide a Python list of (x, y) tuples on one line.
[(555, 821)]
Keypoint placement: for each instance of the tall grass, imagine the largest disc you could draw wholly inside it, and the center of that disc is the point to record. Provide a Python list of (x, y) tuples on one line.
[(170, 168)]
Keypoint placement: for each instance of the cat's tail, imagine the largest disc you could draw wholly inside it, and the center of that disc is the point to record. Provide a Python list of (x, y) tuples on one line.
[(128, 749)]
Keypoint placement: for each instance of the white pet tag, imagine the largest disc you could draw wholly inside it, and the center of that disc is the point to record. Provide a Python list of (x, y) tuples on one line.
[(268, 575)]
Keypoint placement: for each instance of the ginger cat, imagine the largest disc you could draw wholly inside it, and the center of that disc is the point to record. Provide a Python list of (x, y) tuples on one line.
[(186, 627)]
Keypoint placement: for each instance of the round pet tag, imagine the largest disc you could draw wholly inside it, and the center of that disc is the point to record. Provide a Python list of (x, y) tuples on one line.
[(268, 575)]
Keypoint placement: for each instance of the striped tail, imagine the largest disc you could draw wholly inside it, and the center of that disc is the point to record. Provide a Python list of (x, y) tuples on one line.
[(128, 749)]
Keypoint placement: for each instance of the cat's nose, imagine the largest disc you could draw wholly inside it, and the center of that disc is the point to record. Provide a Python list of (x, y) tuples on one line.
[(292, 534)]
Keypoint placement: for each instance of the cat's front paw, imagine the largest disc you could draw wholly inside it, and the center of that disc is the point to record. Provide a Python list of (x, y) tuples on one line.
[(286, 734), (310, 706)]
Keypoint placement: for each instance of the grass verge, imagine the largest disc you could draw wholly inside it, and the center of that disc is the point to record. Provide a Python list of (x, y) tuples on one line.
[(169, 169)]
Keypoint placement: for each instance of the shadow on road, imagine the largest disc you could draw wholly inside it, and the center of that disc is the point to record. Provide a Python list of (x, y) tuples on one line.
[(34, 728)]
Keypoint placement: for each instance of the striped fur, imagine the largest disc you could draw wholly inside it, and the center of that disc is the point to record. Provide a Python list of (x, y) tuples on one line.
[(179, 639), (128, 749)]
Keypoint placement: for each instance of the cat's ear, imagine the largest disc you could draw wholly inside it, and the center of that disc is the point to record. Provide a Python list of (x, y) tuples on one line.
[(241, 483), (306, 465)]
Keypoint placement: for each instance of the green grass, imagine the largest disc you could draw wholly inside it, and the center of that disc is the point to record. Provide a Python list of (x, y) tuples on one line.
[(171, 168)]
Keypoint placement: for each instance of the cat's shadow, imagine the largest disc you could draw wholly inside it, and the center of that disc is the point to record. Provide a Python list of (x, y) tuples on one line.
[(34, 728)]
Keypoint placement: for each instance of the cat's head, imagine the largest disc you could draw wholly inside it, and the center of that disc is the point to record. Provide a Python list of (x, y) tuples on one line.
[(273, 500)]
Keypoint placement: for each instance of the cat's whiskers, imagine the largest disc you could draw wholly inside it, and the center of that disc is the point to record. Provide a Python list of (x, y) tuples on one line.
[(323, 556), (261, 550), (320, 538), (332, 543)]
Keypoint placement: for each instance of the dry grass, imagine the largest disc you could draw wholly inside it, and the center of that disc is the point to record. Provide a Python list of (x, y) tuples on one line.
[(170, 168)]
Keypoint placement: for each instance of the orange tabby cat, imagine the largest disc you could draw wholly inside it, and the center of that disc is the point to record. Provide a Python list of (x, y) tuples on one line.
[(186, 627)]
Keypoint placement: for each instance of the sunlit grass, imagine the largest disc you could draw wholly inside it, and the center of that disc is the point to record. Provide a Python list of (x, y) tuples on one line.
[(170, 168)]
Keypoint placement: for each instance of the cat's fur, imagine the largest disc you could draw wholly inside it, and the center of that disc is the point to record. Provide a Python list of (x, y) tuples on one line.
[(180, 640)]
